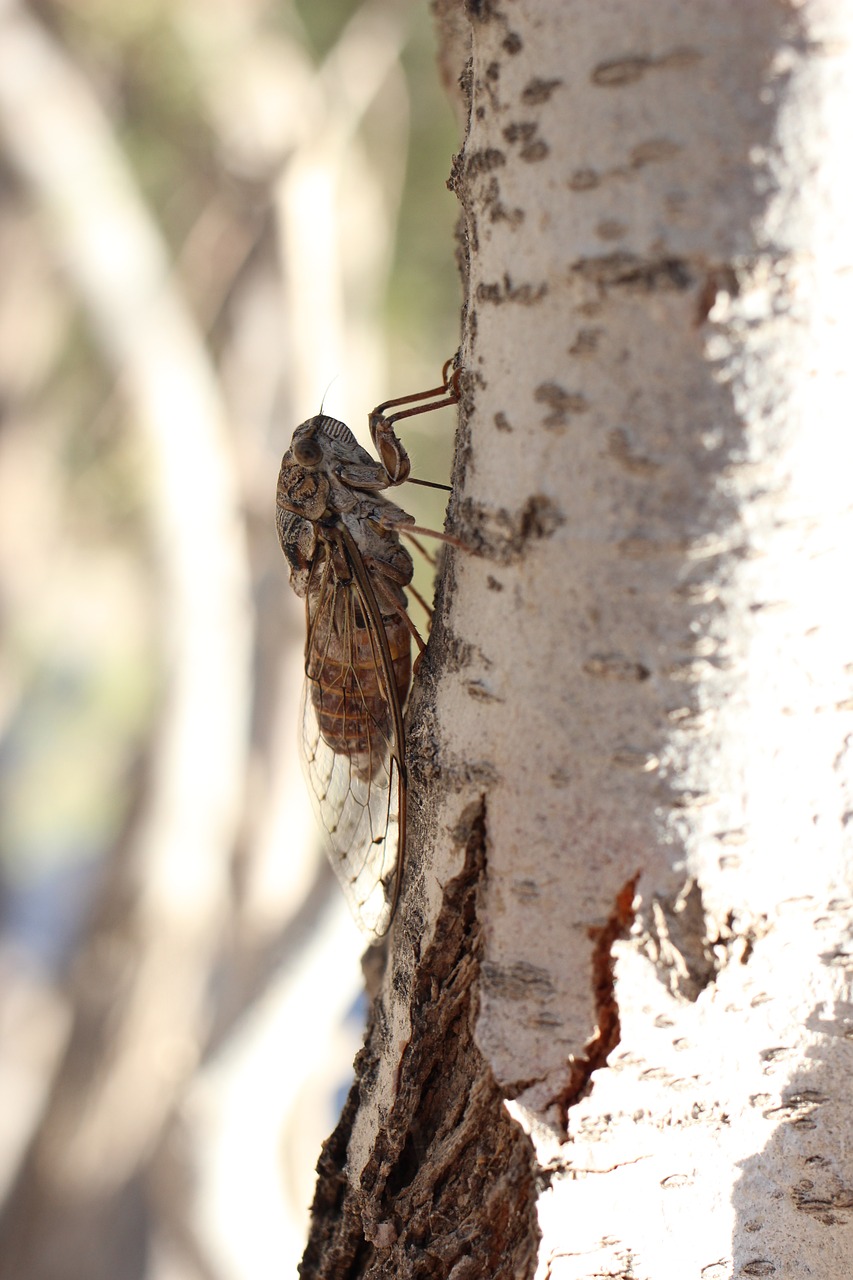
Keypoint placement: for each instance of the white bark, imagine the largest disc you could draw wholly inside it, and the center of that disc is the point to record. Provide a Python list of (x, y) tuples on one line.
[(649, 689)]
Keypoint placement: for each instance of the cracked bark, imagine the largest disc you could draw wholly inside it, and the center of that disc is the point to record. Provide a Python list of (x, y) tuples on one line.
[(450, 1178)]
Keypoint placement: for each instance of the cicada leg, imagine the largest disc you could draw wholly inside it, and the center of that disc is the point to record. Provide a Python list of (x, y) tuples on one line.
[(413, 631), (419, 546), (392, 453), (413, 591)]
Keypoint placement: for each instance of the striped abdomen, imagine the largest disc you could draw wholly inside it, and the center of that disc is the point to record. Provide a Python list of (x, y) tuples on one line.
[(347, 684)]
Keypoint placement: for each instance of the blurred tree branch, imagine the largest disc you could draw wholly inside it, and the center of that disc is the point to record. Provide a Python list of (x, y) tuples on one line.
[(140, 982)]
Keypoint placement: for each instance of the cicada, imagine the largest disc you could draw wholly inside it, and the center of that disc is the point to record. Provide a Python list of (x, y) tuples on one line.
[(341, 538)]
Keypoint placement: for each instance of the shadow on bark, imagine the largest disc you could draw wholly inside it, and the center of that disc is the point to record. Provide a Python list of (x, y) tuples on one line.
[(450, 1185)]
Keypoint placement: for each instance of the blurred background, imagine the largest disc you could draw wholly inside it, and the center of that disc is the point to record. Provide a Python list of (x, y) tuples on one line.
[(212, 214)]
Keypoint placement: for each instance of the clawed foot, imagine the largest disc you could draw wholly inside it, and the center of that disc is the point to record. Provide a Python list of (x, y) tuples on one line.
[(392, 454)]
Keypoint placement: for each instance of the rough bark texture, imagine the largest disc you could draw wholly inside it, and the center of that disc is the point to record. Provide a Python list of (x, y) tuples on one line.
[(450, 1175), (646, 669)]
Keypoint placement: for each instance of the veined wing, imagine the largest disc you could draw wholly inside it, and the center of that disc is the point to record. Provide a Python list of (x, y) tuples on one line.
[(352, 736)]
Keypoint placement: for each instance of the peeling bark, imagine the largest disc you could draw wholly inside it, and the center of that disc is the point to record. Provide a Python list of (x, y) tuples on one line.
[(450, 1178)]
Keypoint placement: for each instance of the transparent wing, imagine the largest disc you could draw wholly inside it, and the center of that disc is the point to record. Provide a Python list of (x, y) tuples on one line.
[(351, 750)]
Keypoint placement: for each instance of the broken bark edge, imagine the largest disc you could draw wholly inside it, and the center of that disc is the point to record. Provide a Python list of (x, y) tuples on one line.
[(451, 1183), (609, 1028)]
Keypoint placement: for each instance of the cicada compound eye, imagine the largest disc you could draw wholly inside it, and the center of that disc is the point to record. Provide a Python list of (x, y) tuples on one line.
[(307, 451)]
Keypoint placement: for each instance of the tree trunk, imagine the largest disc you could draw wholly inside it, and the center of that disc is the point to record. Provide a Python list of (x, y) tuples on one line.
[(625, 920)]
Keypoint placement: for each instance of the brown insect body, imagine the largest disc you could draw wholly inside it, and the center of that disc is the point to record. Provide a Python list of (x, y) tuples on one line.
[(341, 538), (347, 688)]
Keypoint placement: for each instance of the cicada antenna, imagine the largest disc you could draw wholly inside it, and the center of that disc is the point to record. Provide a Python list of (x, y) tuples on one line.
[(326, 392)]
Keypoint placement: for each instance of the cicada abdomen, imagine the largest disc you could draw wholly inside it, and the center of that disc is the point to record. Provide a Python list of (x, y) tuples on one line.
[(348, 683)]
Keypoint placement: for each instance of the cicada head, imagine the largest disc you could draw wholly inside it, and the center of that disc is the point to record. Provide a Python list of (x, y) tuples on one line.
[(302, 489)]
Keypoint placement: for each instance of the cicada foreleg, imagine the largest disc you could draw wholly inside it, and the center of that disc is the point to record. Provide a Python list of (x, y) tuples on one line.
[(390, 449)]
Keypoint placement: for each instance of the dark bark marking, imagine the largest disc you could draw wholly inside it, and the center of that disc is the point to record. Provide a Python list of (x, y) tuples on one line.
[(584, 180), (638, 759), (517, 981), (479, 690), (525, 132), (466, 774), (466, 82), (521, 131), (604, 1041), (586, 342), (653, 151), (823, 1193), (503, 535), (620, 447), (535, 151), (496, 210), (562, 403), (615, 666), (622, 71), (483, 161), (537, 91), (524, 294), (481, 10), (539, 519), (611, 229), (627, 270), (456, 654), (450, 1187)]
